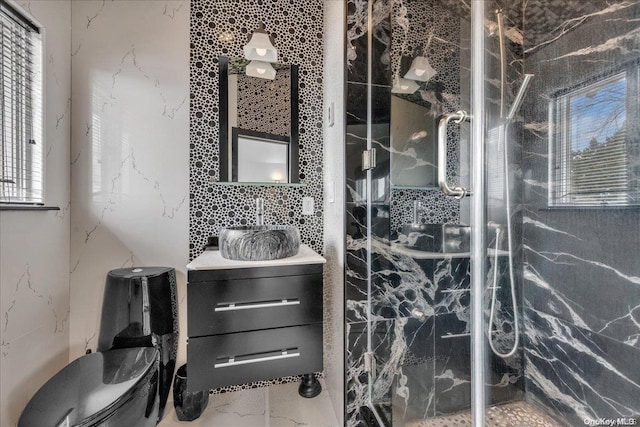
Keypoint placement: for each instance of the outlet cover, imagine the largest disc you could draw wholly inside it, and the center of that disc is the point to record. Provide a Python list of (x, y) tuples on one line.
[(307, 206)]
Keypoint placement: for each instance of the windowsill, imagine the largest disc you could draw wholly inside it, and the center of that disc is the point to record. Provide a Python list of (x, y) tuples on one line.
[(10, 207), (589, 208)]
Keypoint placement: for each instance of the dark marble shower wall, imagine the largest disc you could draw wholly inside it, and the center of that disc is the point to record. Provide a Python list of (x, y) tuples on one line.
[(581, 270), (423, 368)]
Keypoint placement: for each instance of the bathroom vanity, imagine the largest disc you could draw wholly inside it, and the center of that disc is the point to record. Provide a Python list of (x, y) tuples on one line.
[(253, 320)]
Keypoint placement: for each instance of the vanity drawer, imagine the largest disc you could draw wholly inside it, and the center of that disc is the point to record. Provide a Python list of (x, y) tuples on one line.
[(231, 359), (227, 306)]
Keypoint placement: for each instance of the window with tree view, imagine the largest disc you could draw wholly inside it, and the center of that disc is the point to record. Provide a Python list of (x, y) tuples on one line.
[(591, 150), (21, 157)]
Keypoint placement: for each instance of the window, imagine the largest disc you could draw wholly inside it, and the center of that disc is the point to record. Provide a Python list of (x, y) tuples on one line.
[(21, 159), (590, 145)]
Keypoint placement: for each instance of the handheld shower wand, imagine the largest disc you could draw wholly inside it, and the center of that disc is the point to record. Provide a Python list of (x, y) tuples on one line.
[(504, 129)]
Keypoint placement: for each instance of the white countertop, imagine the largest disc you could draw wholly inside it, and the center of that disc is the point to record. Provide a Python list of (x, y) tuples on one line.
[(212, 260)]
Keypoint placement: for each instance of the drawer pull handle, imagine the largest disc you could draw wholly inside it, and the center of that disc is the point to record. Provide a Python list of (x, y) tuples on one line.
[(264, 304), (284, 354)]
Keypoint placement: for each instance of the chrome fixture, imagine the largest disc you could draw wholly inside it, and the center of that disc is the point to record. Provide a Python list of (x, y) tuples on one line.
[(259, 211), (418, 208), (503, 61), (457, 191), (502, 135), (519, 97)]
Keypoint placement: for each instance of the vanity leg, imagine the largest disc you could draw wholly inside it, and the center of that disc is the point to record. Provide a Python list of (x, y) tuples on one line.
[(309, 386)]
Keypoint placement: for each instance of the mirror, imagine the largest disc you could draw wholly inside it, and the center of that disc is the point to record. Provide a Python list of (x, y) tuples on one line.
[(258, 124), (413, 144)]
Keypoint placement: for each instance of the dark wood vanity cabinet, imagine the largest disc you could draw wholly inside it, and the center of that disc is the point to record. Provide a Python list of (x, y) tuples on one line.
[(253, 324)]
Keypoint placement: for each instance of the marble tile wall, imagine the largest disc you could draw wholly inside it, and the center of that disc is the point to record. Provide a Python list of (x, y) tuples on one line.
[(581, 273), (129, 151), (34, 246), (358, 288), (422, 366)]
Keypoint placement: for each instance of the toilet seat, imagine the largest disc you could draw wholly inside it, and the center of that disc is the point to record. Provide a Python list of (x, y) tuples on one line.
[(93, 387)]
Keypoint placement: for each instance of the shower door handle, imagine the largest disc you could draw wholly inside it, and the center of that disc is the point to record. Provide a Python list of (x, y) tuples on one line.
[(456, 191)]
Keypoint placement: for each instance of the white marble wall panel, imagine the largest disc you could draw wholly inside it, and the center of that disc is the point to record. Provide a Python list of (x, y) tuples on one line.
[(34, 246), (130, 150)]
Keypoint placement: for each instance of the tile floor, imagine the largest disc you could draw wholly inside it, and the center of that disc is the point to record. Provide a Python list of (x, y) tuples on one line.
[(281, 406), (516, 414), (274, 406)]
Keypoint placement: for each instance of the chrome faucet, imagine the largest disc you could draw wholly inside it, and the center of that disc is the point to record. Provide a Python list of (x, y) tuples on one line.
[(259, 211), (418, 208)]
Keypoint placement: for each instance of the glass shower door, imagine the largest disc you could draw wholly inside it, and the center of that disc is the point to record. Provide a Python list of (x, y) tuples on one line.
[(410, 247), (561, 197), (519, 301), (408, 278)]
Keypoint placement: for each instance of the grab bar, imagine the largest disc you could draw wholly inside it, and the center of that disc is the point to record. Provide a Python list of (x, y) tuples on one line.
[(457, 191)]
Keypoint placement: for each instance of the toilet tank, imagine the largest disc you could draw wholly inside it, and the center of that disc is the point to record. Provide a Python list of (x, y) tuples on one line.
[(140, 310)]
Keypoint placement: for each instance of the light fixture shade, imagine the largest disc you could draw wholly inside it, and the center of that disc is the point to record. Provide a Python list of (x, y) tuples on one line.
[(261, 69), (260, 48), (420, 70), (401, 85)]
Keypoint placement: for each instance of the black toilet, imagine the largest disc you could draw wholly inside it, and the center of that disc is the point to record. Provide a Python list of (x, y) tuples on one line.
[(126, 383)]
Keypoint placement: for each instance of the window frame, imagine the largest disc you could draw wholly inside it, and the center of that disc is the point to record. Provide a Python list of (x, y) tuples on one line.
[(560, 143), (24, 18)]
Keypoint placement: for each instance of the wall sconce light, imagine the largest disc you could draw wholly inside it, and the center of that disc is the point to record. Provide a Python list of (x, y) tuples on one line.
[(260, 46), (261, 69), (420, 69), (402, 85)]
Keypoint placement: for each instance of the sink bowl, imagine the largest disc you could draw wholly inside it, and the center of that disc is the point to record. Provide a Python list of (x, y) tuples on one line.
[(259, 242), (441, 238)]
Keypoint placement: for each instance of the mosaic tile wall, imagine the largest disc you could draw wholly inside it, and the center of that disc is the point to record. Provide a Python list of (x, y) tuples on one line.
[(440, 208), (221, 28)]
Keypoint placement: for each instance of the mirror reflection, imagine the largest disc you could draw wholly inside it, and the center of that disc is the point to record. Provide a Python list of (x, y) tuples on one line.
[(413, 144), (259, 157), (258, 123)]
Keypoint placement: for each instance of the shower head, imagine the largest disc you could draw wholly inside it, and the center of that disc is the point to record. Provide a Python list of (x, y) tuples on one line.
[(517, 103)]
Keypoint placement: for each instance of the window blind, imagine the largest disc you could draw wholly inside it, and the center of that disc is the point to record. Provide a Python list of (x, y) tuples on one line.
[(21, 157), (590, 152)]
